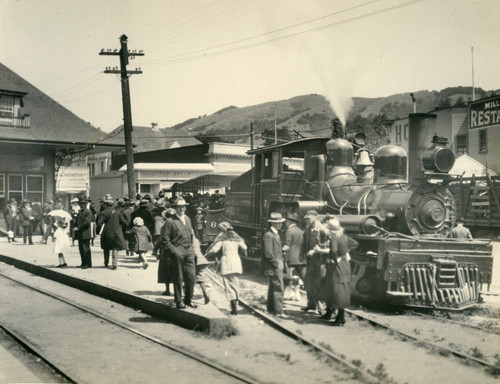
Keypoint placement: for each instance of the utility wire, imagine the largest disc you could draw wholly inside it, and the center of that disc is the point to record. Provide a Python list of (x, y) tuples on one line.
[(169, 61), (273, 31)]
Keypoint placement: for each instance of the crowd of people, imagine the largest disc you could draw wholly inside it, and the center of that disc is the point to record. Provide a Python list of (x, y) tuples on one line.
[(172, 229), (319, 255)]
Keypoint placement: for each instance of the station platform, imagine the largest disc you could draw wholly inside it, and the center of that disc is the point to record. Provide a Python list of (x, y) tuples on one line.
[(129, 284)]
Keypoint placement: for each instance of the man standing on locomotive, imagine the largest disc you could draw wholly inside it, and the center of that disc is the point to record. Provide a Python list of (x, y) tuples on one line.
[(274, 263)]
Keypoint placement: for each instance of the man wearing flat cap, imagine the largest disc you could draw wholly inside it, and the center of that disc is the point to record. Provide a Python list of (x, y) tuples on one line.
[(273, 263), (177, 238)]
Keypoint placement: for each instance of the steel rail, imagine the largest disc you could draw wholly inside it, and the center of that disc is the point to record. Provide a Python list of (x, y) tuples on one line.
[(156, 340), (294, 335), (453, 352), (30, 348), (442, 319)]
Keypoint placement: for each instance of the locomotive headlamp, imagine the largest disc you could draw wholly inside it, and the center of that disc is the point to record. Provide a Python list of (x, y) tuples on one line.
[(438, 158)]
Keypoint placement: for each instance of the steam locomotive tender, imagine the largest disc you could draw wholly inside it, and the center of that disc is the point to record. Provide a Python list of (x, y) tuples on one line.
[(399, 210)]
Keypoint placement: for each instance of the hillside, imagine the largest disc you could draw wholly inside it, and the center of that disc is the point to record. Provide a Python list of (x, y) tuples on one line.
[(312, 114)]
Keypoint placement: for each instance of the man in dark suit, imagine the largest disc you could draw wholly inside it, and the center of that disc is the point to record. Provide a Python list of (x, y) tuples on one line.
[(273, 263), (177, 238), (294, 236), (83, 233), (312, 237)]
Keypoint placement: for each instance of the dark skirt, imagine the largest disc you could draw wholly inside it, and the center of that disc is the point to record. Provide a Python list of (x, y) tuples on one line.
[(336, 287)]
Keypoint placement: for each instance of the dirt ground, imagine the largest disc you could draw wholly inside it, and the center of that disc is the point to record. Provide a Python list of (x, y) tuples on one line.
[(262, 352)]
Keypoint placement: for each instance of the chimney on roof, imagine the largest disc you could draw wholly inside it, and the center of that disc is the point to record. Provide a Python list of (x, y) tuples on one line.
[(154, 126)]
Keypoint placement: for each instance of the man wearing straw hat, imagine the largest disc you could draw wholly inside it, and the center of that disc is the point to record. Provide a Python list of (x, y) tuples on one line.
[(177, 238), (273, 264)]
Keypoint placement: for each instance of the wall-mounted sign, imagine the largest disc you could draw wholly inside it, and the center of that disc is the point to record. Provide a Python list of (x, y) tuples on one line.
[(72, 179), (484, 113)]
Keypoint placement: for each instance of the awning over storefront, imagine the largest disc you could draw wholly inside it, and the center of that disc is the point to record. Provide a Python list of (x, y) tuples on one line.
[(219, 179)]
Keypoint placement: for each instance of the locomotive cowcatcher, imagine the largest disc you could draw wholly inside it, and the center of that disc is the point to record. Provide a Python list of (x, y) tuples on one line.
[(398, 208)]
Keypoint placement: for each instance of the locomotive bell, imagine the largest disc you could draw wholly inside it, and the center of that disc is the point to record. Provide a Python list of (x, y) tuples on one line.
[(363, 158)]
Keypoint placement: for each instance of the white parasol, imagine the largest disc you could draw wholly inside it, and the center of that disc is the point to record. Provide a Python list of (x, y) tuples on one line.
[(60, 213)]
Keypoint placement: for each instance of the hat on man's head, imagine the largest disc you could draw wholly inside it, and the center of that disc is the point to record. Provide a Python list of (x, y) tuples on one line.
[(82, 200), (75, 200), (460, 220), (120, 202), (199, 209), (131, 202), (169, 212), (147, 197), (311, 213), (294, 216), (160, 202), (50, 201), (108, 197), (179, 202), (143, 203), (275, 217)]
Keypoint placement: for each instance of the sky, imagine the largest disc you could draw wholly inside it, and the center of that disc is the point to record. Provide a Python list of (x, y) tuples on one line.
[(204, 55)]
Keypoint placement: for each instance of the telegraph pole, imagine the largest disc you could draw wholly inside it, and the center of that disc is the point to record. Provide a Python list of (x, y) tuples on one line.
[(124, 54), (251, 142)]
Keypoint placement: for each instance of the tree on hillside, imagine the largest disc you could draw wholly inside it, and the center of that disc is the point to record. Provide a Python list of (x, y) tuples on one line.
[(283, 134)]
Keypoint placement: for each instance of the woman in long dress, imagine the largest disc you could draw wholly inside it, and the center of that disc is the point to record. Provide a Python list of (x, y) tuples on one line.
[(337, 284)]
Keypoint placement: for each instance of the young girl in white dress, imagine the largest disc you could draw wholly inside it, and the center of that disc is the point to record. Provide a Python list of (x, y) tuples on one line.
[(61, 245)]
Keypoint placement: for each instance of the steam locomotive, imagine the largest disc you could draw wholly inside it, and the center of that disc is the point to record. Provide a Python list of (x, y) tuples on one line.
[(398, 208)]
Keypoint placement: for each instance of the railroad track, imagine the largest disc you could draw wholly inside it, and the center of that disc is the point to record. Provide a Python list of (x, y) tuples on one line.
[(444, 350), (36, 351), (445, 320), (271, 321), (374, 322)]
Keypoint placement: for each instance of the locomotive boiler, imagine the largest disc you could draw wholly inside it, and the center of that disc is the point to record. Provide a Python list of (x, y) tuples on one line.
[(398, 208)]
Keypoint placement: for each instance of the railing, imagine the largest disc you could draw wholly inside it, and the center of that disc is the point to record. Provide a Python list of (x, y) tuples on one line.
[(23, 122)]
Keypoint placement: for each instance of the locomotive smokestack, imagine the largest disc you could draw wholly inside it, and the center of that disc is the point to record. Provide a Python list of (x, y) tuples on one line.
[(337, 129), (420, 132)]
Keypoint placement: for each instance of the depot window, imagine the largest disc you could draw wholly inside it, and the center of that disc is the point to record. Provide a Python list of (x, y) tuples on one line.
[(34, 188), (483, 141), (15, 187)]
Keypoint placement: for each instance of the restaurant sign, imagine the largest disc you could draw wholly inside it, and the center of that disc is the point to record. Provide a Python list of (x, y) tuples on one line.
[(484, 113)]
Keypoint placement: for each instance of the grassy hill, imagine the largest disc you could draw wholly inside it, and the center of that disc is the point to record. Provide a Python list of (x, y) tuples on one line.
[(312, 114)]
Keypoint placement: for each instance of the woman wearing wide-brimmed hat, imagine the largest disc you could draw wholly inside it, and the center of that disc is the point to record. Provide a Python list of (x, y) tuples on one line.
[(231, 245), (336, 289)]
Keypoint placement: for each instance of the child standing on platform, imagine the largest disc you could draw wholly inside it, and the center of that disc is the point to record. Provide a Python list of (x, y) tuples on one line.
[(140, 240), (61, 245)]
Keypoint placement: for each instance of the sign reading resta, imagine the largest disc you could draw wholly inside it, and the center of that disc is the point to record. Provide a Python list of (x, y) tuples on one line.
[(485, 113)]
